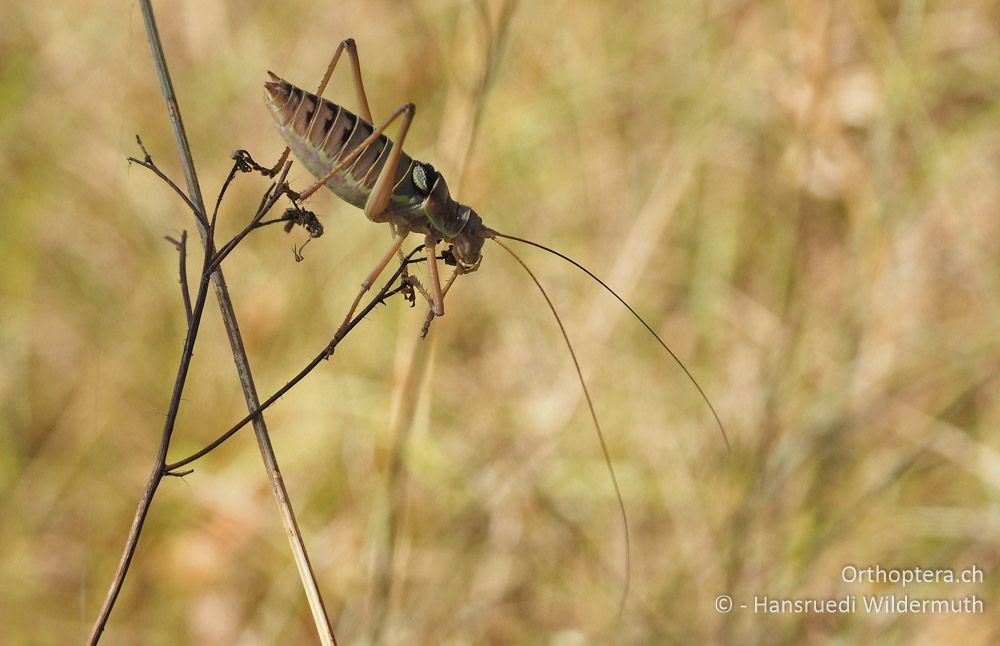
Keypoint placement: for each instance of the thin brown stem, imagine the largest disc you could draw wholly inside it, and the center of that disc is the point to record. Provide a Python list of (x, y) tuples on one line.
[(313, 595), (181, 246), (147, 162), (383, 294), (271, 198), (496, 41), (237, 167), (156, 475), (196, 202)]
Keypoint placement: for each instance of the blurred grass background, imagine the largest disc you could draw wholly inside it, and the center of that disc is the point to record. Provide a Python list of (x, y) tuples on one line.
[(802, 197)]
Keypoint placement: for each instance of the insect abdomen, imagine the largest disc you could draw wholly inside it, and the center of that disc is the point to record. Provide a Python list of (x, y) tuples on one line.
[(321, 133)]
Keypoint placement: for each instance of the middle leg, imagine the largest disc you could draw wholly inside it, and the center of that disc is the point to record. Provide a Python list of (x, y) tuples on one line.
[(373, 275), (435, 295)]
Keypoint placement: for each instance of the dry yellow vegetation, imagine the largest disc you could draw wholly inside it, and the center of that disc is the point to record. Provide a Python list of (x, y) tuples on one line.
[(803, 198)]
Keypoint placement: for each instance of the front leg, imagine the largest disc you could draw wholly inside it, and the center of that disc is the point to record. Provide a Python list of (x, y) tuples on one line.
[(437, 296), (444, 291)]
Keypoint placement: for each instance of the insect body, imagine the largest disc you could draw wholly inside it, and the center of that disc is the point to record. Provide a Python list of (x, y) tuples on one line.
[(354, 159), (322, 133), (362, 166)]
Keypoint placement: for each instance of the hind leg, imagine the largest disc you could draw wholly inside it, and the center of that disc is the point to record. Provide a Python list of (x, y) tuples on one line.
[(359, 88)]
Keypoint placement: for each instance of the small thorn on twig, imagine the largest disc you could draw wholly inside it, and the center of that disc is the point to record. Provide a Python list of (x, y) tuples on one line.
[(178, 474)]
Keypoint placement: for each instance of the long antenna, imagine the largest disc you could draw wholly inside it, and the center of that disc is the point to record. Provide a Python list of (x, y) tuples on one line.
[(621, 300), (597, 426)]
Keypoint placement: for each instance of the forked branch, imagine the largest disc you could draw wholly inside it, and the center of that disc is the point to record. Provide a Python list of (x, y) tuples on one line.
[(193, 199), (380, 298), (194, 316)]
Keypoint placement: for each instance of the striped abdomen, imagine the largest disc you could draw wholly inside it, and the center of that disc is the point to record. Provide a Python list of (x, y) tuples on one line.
[(321, 133)]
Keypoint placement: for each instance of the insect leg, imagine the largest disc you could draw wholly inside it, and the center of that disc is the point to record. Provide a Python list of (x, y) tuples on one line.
[(407, 287), (359, 87), (437, 296), (397, 242), (347, 160), (378, 199), (365, 108), (444, 292)]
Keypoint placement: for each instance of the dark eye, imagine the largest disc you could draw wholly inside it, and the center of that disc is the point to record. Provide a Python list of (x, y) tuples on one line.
[(424, 176)]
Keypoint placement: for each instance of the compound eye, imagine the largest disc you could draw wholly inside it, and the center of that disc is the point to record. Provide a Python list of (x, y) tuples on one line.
[(424, 176)]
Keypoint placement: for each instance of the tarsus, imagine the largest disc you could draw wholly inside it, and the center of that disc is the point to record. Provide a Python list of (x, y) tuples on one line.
[(621, 300), (597, 424)]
